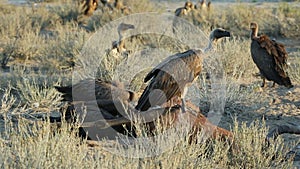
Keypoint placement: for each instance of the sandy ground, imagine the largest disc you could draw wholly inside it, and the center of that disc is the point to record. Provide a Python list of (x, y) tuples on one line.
[(281, 106)]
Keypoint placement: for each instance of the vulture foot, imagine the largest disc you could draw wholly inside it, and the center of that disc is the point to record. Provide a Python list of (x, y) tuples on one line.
[(264, 83), (273, 85)]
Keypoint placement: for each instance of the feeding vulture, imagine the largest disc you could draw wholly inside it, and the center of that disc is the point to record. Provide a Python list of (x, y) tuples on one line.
[(173, 75), (107, 94), (270, 57)]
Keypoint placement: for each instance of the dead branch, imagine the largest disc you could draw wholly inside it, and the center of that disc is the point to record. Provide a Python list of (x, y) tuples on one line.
[(281, 129)]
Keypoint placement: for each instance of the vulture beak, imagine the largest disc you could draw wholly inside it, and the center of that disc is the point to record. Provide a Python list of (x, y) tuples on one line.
[(124, 27), (227, 34), (253, 25), (218, 33)]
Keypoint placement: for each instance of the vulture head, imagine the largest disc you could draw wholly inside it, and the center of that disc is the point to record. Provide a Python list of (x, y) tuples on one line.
[(254, 29), (203, 4), (214, 36), (123, 27), (217, 34), (188, 5)]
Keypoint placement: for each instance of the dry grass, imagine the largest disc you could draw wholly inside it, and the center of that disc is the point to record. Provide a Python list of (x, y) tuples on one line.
[(49, 38), (28, 144)]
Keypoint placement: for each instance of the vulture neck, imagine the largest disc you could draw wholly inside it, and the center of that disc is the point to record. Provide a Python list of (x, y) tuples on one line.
[(254, 32), (210, 46), (121, 44)]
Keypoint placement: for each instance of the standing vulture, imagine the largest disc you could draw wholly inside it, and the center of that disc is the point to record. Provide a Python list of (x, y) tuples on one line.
[(270, 57), (119, 46), (188, 6), (180, 12), (173, 75)]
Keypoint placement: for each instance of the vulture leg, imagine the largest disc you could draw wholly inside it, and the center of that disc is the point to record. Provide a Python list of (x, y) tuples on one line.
[(273, 84), (264, 82), (183, 109), (183, 99)]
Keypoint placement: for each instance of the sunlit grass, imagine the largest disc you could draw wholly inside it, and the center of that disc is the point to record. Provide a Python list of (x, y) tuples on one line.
[(50, 37)]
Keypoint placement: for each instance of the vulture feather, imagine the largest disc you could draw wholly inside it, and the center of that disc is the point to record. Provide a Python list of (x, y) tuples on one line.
[(107, 94), (188, 6), (172, 76), (270, 57)]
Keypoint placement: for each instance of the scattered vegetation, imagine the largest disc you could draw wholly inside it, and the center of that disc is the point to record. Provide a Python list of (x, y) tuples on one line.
[(40, 46)]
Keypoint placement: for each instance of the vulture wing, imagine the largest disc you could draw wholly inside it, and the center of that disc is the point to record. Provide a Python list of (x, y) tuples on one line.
[(166, 61), (271, 59), (169, 78), (89, 90)]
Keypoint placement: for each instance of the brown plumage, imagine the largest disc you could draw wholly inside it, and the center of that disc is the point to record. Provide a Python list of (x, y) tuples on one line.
[(270, 58), (180, 12), (106, 94), (118, 5), (208, 6), (89, 6), (188, 6), (107, 3), (173, 76), (202, 4)]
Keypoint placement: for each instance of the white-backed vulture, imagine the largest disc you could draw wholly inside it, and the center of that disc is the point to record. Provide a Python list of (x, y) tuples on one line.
[(270, 57), (108, 3), (118, 5), (107, 94), (119, 46), (188, 6), (201, 5), (209, 6), (89, 6), (181, 12), (172, 76)]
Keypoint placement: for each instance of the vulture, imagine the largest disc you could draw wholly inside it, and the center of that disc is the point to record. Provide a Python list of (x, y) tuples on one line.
[(270, 57), (90, 6), (180, 12), (188, 6), (172, 76), (202, 4), (208, 6), (120, 6), (119, 46), (116, 4), (108, 3), (107, 94)]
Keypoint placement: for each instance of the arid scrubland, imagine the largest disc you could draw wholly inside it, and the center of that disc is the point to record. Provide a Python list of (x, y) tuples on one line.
[(40, 47)]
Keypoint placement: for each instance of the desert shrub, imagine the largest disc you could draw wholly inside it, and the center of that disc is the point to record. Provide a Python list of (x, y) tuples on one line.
[(255, 151), (294, 69), (236, 57), (36, 145), (38, 96), (7, 100)]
